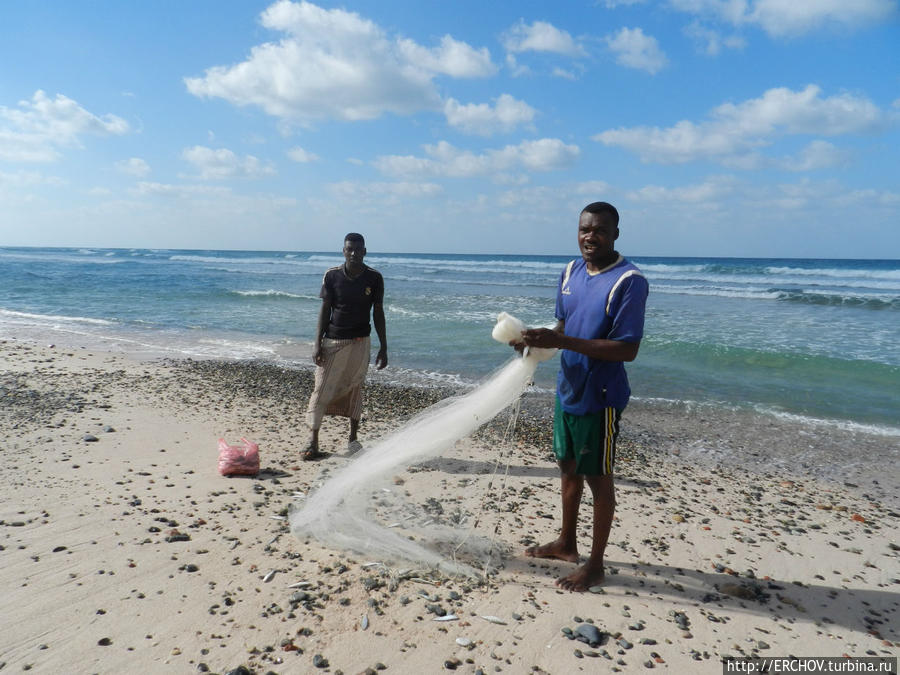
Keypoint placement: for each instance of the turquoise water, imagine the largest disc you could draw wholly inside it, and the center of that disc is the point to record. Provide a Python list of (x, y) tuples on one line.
[(817, 339)]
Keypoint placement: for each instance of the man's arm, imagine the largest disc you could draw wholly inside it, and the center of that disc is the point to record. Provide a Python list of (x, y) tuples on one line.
[(321, 327), (599, 349), (381, 360)]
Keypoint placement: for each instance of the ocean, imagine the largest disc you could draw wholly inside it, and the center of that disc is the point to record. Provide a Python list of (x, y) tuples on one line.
[(813, 341)]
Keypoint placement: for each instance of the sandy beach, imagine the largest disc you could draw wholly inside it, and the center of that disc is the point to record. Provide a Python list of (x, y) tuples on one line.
[(123, 549)]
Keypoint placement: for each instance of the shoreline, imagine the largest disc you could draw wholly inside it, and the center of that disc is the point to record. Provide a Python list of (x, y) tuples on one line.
[(703, 561)]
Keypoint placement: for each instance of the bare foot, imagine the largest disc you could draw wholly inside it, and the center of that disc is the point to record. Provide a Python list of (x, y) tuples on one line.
[(555, 549), (582, 579)]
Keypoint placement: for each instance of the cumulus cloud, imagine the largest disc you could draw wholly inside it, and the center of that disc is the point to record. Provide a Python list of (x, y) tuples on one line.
[(563, 73), (734, 131), (712, 42), (134, 166), (540, 36), (710, 190), (298, 154), (781, 18), (217, 164), (794, 17), (145, 189), (636, 50), (36, 129), (379, 190), (612, 4), (452, 57), (507, 114), (816, 155), (335, 64), (443, 159), (27, 179)]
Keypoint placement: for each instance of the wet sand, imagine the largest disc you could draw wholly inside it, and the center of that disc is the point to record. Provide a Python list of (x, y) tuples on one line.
[(129, 553)]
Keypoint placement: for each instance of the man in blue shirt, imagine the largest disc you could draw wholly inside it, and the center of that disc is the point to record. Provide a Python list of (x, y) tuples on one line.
[(600, 322)]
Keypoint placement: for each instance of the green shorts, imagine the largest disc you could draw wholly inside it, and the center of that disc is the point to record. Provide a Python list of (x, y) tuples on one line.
[(588, 439)]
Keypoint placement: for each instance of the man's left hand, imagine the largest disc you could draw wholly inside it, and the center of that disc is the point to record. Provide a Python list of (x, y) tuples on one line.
[(381, 360)]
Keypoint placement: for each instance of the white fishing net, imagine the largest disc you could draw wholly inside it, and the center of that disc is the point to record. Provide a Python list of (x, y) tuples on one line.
[(339, 513)]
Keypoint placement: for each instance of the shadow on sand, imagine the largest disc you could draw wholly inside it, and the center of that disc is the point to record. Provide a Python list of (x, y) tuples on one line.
[(862, 610)]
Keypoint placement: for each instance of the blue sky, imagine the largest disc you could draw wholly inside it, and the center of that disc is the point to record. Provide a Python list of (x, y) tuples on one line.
[(765, 128)]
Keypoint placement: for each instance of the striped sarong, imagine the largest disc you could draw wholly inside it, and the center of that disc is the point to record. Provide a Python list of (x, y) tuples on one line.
[(339, 380)]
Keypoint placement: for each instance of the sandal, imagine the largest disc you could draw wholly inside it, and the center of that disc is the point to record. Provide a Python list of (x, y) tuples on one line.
[(353, 447), (311, 454)]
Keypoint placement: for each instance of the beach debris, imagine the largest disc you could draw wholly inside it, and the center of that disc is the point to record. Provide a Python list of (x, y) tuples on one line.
[(680, 619), (278, 517), (176, 535), (589, 634), (464, 642), (299, 596), (493, 619), (744, 591), (364, 622), (446, 617), (301, 584), (269, 576), (89, 438)]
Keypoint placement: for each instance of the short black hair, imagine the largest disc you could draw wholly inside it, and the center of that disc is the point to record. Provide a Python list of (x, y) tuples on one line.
[(355, 236), (603, 207)]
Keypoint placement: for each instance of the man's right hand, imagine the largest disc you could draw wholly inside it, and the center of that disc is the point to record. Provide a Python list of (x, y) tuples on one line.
[(318, 356)]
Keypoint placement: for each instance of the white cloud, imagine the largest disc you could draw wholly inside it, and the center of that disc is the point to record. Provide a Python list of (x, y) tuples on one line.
[(507, 114), (794, 17), (376, 191), (712, 42), (134, 166), (444, 159), (736, 130), (516, 69), (781, 18), (636, 50), (592, 187), (337, 64), (24, 179), (710, 190), (222, 163), (564, 74), (541, 36), (298, 154), (36, 129), (612, 4), (144, 188), (453, 58), (816, 155)]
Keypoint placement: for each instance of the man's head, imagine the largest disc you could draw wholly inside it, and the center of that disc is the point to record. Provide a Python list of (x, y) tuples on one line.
[(354, 249), (598, 229)]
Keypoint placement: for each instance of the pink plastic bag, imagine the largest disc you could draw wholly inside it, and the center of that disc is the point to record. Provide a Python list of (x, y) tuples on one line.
[(238, 460)]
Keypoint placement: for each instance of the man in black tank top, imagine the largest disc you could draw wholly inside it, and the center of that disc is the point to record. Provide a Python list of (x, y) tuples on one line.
[(350, 294)]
